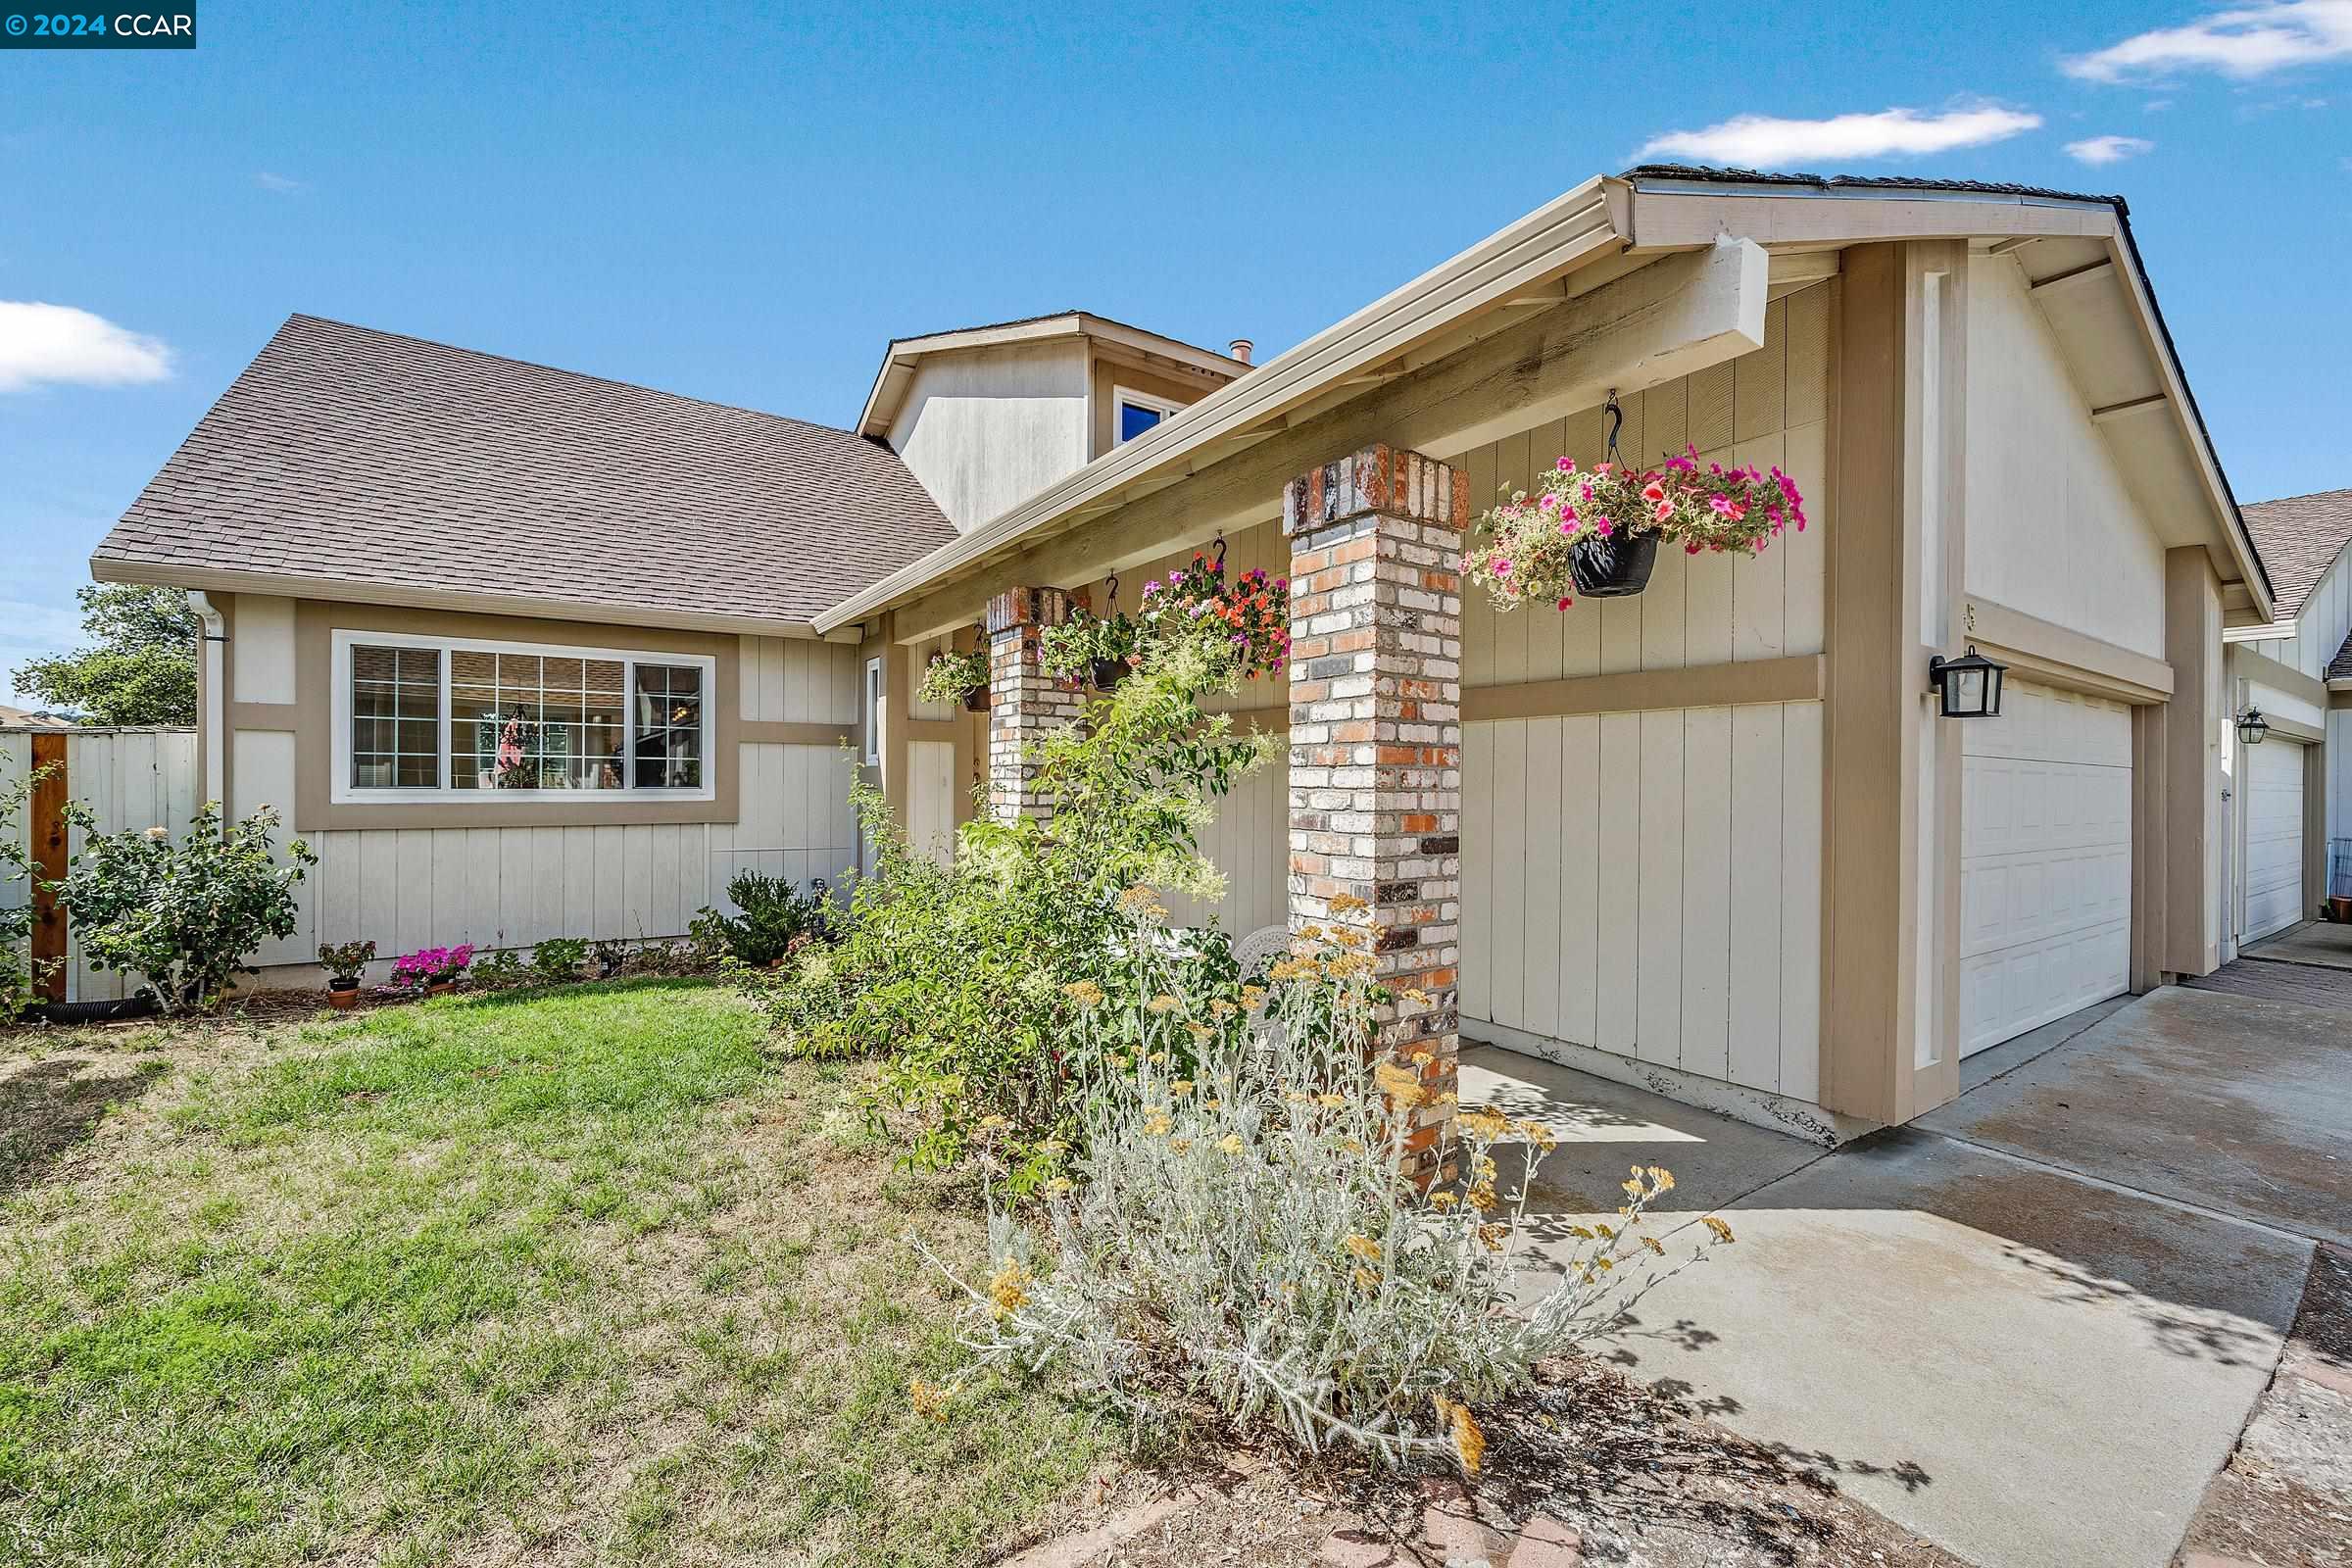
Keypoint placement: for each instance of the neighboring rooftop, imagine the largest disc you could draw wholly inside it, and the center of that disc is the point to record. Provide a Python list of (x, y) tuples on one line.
[(2341, 667), (2299, 536), (394, 469), (38, 718)]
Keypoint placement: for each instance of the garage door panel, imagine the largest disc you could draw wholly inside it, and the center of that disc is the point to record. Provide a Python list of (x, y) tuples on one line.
[(2046, 887), (2274, 875)]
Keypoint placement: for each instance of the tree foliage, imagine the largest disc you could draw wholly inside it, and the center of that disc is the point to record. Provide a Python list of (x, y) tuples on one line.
[(140, 667)]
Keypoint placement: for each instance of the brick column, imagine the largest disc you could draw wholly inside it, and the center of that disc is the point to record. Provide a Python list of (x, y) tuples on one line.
[(1023, 701), (1376, 736)]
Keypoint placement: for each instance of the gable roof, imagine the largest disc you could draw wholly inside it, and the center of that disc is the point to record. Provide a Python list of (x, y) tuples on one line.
[(346, 463), (899, 360), (2300, 537), (2341, 667), (1613, 224)]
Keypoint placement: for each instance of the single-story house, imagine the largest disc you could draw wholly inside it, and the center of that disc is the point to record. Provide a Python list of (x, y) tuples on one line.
[(1713, 838), (2292, 793)]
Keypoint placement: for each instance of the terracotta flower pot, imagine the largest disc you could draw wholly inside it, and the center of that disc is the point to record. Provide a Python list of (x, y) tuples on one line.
[(342, 996), (2339, 909), (440, 987)]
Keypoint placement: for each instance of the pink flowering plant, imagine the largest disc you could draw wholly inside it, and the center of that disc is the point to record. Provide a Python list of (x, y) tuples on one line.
[(1527, 547), (431, 966), (1243, 623)]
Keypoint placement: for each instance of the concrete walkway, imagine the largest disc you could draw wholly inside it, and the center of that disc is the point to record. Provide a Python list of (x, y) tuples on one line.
[(2319, 942), (2030, 1327)]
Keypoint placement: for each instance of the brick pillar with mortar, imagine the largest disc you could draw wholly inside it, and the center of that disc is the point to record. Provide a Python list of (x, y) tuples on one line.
[(1024, 702), (1376, 740)]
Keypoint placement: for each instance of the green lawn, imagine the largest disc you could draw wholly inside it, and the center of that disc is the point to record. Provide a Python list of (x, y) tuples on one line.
[(544, 1277)]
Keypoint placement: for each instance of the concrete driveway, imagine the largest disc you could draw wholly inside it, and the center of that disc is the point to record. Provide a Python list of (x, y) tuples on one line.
[(2028, 1327)]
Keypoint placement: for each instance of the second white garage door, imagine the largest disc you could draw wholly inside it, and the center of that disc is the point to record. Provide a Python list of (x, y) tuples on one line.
[(2274, 796), (2046, 887)]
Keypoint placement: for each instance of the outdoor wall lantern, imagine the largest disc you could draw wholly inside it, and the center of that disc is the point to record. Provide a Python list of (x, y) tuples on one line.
[(1967, 687), (2252, 726)]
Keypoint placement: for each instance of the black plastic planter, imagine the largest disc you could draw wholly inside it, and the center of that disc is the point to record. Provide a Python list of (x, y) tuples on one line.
[(1108, 673), (975, 701), (1606, 569)]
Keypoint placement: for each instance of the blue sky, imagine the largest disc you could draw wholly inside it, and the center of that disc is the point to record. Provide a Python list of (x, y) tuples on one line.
[(745, 206)]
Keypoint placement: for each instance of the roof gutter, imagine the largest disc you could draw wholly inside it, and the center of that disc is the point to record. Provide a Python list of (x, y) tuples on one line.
[(1529, 256)]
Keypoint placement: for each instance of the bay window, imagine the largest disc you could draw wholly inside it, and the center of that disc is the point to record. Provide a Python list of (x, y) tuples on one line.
[(424, 719)]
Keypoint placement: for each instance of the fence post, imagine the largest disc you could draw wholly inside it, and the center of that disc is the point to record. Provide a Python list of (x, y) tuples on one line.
[(48, 832)]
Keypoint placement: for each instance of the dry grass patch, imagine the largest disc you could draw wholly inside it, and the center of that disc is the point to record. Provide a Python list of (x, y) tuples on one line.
[(548, 1277)]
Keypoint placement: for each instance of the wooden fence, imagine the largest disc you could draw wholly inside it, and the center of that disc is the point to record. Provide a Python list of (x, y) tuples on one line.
[(128, 778)]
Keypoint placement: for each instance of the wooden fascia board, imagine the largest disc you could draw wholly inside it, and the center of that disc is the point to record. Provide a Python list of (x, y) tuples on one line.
[(1684, 313), (2247, 665), (2061, 655), (1542, 247)]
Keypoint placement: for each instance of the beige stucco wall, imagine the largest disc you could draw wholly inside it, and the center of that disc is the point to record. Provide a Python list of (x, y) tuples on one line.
[(2051, 528), (986, 429)]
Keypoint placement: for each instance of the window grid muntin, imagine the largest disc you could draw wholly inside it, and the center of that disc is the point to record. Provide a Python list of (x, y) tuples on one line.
[(402, 685)]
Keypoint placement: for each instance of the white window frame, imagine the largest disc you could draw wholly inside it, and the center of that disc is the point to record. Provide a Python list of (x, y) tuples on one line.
[(1121, 396), (342, 792), (870, 703)]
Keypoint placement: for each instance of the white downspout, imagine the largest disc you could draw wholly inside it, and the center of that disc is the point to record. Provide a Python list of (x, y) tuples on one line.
[(213, 719)]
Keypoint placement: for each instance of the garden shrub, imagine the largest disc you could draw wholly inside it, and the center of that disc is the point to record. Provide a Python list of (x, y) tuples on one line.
[(558, 958), (772, 917), (188, 915), (958, 975), (1239, 1239)]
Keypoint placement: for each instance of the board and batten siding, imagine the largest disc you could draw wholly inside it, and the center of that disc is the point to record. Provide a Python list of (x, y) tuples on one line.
[(1648, 884), (131, 780), (511, 887), (2321, 626)]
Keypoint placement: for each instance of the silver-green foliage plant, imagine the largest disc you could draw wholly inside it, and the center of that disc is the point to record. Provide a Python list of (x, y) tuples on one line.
[(185, 916), (1244, 1239)]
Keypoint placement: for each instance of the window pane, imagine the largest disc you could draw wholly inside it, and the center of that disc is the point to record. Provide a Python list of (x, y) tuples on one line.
[(395, 708), (1135, 419), (670, 727)]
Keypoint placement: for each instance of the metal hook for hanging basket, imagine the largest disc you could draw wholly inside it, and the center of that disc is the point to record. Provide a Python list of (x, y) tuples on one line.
[(1111, 602), (1616, 412), (1220, 562)]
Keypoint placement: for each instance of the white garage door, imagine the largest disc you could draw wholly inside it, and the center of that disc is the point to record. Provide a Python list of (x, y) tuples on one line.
[(2274, 796), (2045, 886)]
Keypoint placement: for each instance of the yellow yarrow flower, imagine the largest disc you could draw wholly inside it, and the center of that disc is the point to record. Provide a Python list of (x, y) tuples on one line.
[(1363, 1246), (1723, 1231), (1231, 1143), (1399, 1083), (1009, 1287), (1163, 1003), (1469, 1442), (930, 1402), (1347, 904), (1083, 991)]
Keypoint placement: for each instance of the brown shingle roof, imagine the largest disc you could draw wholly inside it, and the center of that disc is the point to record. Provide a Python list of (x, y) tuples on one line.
[(2341, 667), (354, 456), (2299, 537)]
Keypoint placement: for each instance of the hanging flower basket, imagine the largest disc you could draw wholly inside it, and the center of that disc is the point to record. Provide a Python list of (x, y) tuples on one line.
[(1597, 531), (953, 677), (1089, 647)]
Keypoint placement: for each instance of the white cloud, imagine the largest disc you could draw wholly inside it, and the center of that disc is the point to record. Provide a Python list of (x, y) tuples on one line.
[(60, 344), (283, 184), (1760, 141), (2242, 42), (2109, 149)]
